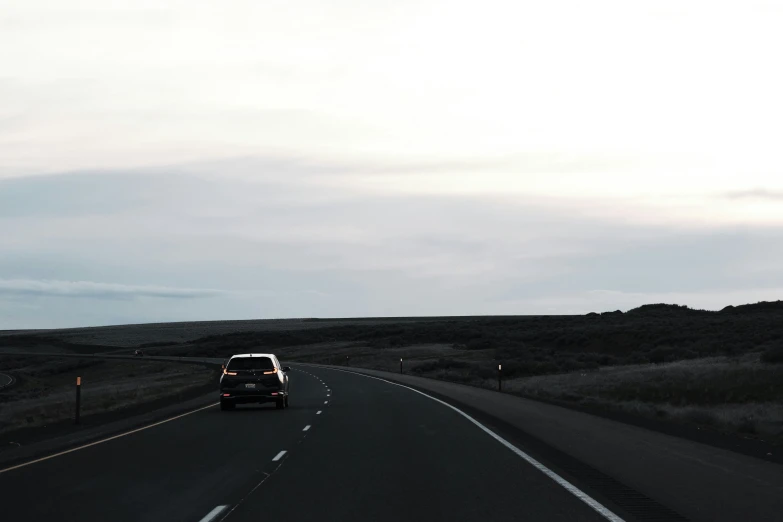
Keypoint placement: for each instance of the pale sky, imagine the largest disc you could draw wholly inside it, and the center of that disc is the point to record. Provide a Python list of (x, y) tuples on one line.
[(251, 159)]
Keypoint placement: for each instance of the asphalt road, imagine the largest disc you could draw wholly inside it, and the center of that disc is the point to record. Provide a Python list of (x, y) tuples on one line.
[(350, 448)]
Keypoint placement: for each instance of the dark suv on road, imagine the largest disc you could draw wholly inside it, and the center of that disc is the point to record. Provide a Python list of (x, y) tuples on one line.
[(253, 377)]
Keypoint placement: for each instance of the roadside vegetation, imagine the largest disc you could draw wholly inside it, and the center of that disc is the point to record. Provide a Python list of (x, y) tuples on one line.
[(742, 396), (44, 392)]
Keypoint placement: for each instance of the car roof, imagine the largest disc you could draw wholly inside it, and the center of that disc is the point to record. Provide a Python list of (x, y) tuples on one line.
[(270, 355)]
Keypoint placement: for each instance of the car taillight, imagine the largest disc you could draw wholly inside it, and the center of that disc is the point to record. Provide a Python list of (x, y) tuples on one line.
[(272, 372), (226, 372), (226, 395)]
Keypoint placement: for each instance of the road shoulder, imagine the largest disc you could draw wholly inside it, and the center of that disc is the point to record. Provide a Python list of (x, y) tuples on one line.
[(67, 436)]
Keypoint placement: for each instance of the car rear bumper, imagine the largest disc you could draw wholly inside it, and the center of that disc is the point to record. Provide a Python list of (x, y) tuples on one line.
[(247, 396)]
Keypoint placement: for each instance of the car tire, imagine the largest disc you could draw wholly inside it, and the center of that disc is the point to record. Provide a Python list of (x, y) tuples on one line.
[(226, 405), (286, 401), (280, 404)]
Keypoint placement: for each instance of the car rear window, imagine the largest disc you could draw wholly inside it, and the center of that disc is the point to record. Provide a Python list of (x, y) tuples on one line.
[(251, 363)]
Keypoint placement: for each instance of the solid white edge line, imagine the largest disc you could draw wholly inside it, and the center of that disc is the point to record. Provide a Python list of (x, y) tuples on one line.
[(106, 439), (214, 513), (578, 493), (306, 428), (279, 456)]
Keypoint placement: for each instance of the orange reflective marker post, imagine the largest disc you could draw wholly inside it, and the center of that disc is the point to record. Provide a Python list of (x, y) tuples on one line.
[(500, 367), (78, 397), (400, 364)]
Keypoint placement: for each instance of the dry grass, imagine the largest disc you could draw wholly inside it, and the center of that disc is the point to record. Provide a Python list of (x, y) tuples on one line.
[(741, 396), (132, 335), (138, 334), (45, 393), (363, 356)]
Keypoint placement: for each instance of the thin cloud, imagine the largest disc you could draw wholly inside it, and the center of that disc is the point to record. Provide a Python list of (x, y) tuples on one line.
[(770, 195), (55, 288)]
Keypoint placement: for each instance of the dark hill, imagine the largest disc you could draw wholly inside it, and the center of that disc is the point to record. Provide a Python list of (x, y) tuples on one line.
[(662, 309), (760, 307)]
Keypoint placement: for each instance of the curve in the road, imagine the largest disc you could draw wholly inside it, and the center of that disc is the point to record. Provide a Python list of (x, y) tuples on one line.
[(581, 495), (349, 448), (5, 380), (389, 453), (379, 445)]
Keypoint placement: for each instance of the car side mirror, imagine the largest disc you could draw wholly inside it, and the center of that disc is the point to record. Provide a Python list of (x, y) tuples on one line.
[(286, 368)]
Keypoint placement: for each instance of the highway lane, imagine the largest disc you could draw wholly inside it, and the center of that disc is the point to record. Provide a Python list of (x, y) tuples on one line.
[(699, 482), (374, 452), (170, 472), (382, 452)]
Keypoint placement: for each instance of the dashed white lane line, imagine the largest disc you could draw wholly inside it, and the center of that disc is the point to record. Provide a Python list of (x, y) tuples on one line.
[(575, 491), (279, 456), (318, 412), (212, 515), (326, 402), (306, 428)]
